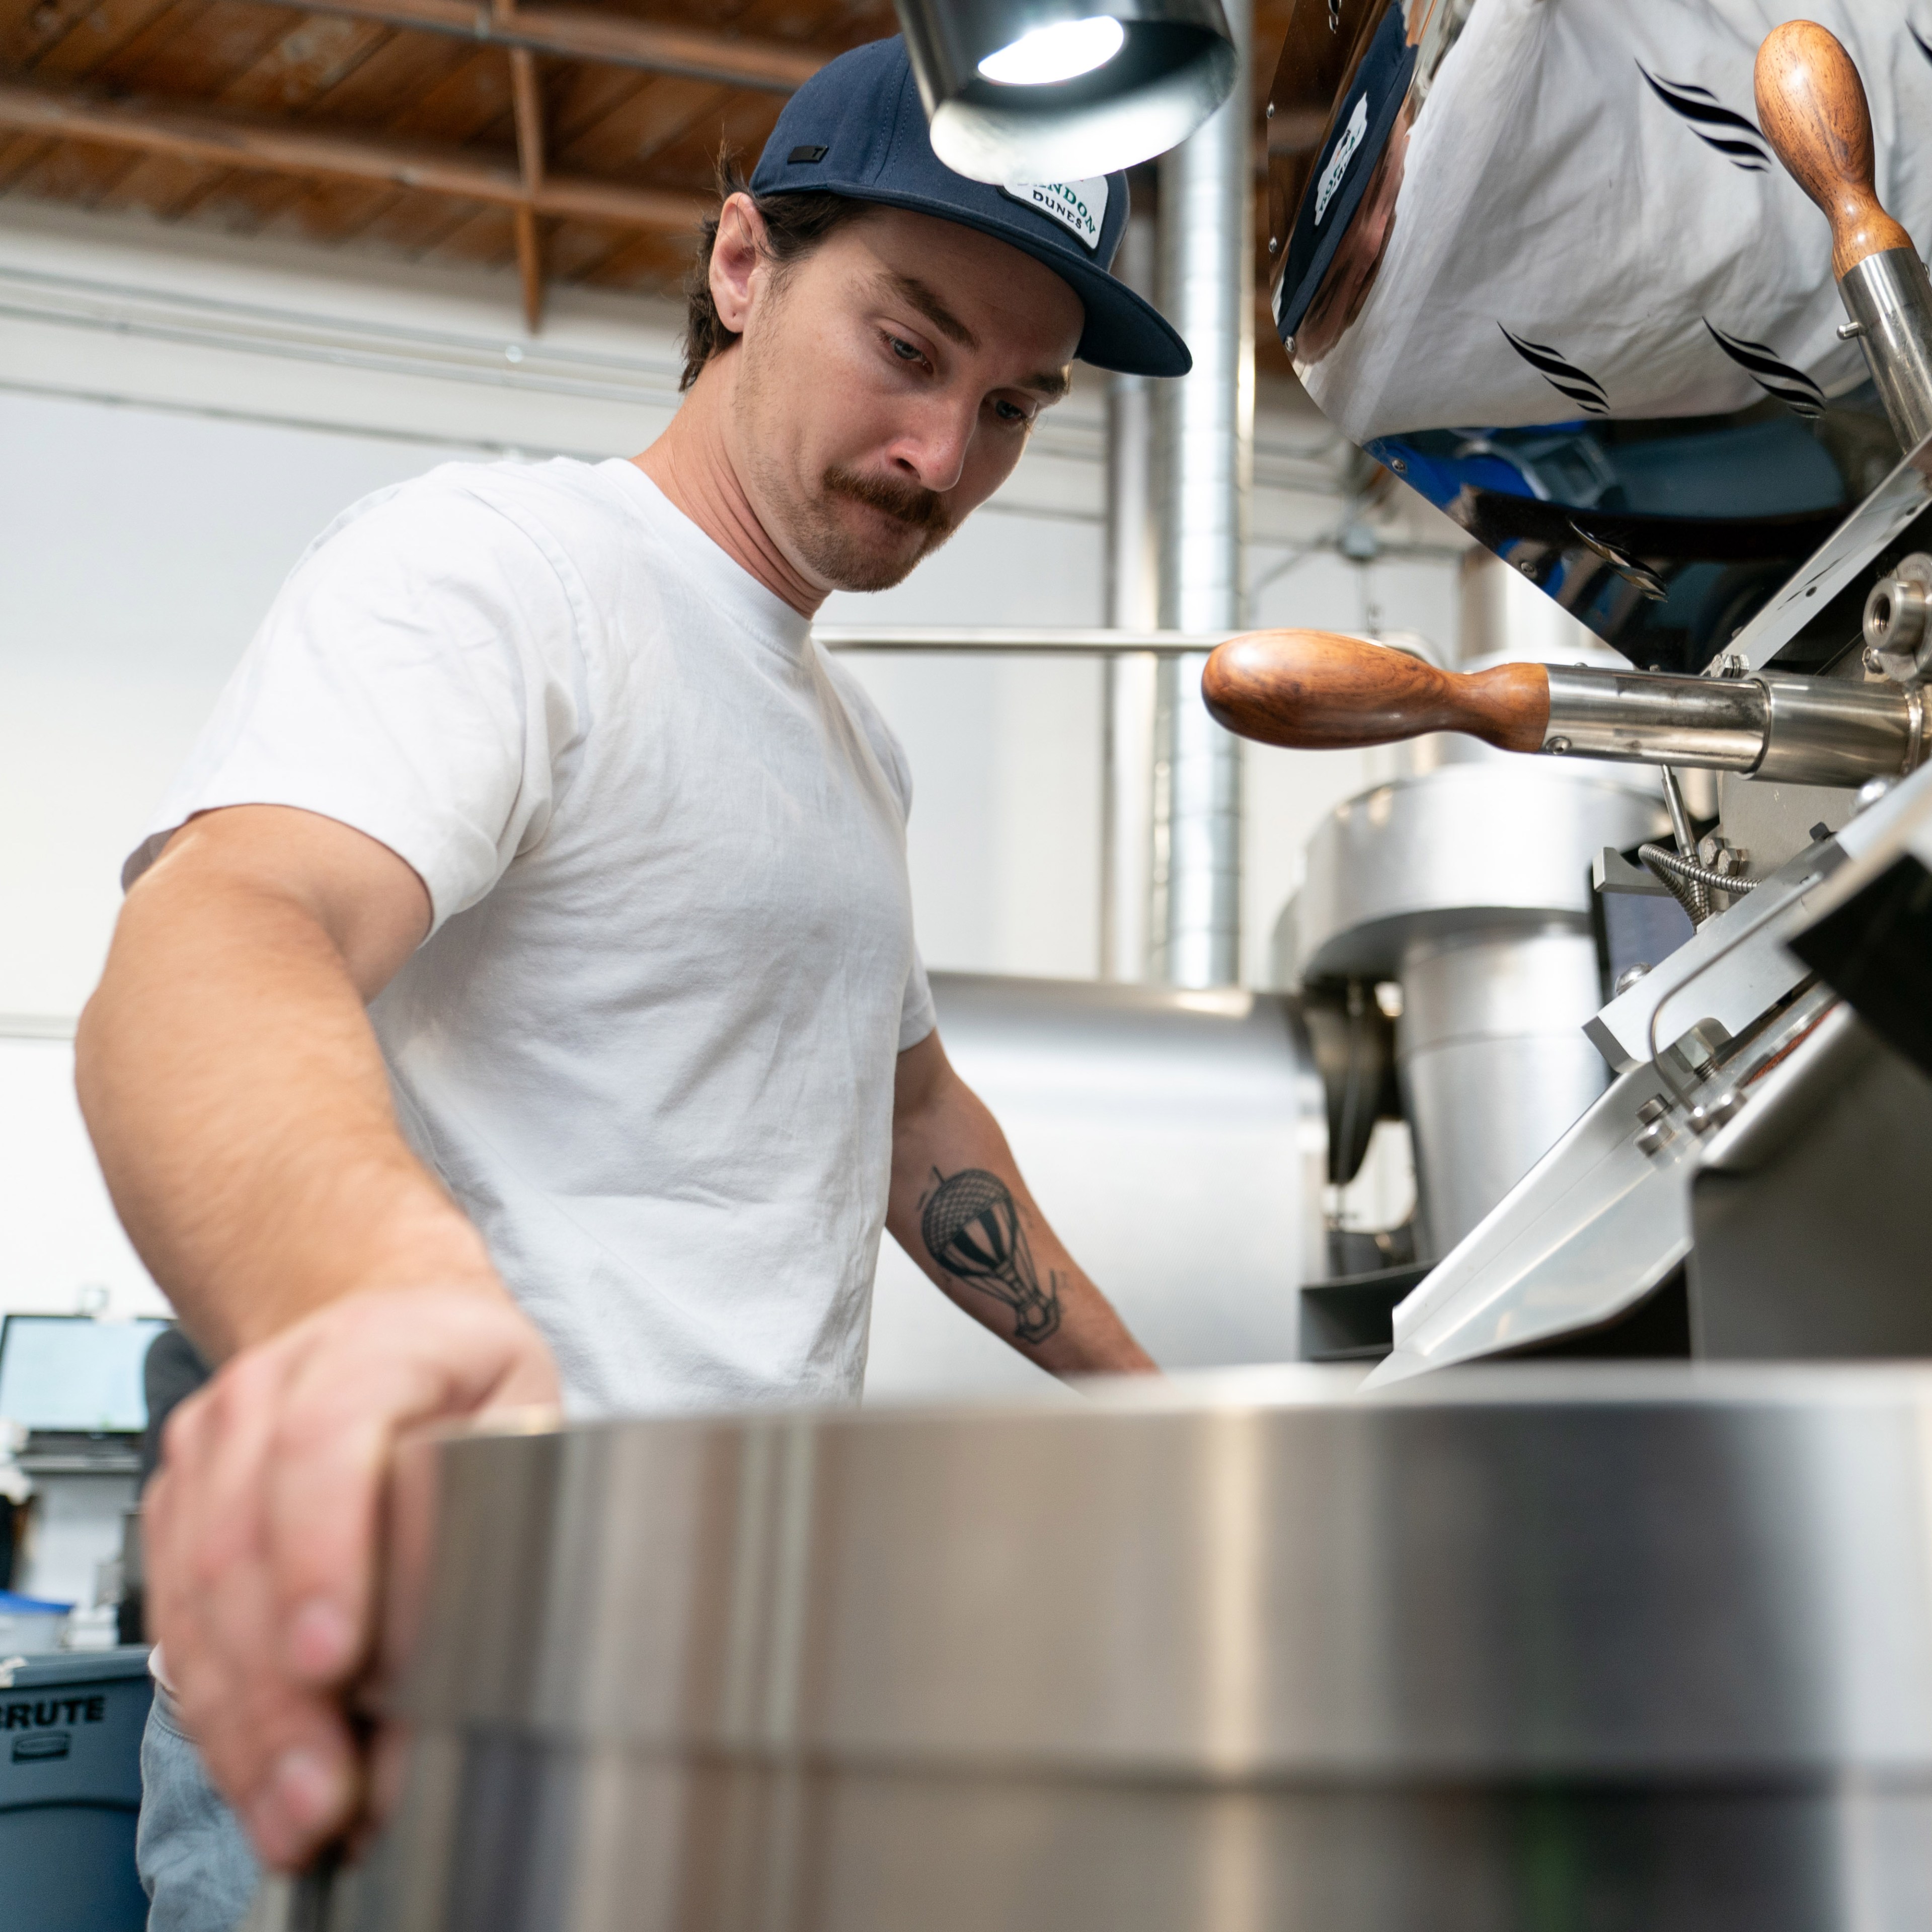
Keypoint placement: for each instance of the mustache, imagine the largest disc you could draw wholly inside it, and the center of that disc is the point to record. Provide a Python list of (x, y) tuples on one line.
[(911, 503)]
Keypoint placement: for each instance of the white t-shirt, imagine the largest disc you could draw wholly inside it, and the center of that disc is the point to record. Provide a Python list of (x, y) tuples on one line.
[(649, 1044)]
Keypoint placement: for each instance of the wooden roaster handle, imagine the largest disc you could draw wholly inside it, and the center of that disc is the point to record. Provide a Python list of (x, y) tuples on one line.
[(1320, 691), (1811, 104)]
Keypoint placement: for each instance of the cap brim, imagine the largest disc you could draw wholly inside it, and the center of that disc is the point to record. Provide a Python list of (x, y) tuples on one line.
[(1124, 332)]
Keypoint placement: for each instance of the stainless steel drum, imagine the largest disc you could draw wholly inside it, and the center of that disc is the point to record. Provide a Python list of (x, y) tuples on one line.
[(1584, 1646)]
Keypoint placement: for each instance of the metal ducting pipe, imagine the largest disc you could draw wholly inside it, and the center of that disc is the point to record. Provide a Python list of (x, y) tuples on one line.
[(1490, 1049), (1133, 604), (1205, 423)]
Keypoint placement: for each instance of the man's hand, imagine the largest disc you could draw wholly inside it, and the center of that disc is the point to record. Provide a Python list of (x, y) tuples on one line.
[(262, 1525), (960, 1209)]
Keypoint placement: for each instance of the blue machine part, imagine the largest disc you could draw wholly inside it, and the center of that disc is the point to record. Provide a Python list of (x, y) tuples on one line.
[(1767, 469)]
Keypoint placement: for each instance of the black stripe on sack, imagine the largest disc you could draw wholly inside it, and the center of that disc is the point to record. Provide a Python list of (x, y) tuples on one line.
[(1578, 384), (1788, 384), (1699, 109), (1924, 45), (1742, 154)]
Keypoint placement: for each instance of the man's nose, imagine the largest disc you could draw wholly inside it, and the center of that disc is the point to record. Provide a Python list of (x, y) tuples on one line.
[(932, 449)]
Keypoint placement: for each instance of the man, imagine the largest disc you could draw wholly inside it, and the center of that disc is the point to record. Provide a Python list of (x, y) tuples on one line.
[(540, 767)]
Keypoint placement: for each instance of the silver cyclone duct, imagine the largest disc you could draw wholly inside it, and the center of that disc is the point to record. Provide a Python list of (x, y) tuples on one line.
[(1465, 876), (1490, 1049), (1206, 450)]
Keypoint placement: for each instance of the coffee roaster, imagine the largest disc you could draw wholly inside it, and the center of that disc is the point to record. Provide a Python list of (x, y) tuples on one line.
[(1625, 1644), (1741, 1187)]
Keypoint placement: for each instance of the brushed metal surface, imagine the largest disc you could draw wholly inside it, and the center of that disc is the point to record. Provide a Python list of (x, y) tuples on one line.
[(1471, 878), (1888, 297), (1236, 1651), (1494, 1064), (1828, 731), (1590, 1230), (1437, 853), (1645, 718)]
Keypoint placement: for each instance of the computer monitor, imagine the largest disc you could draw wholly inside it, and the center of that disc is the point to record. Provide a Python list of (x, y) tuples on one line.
[(69, 1374)]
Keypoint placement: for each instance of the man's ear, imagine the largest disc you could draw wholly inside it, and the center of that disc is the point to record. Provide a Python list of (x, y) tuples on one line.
[(736, 256)]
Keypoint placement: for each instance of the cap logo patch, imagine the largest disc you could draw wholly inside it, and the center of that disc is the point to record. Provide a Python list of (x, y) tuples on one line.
[(808, 153), (1080, 207), (1338, 162)]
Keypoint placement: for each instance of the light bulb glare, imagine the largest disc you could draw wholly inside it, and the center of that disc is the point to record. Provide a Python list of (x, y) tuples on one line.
[(1062, 52)]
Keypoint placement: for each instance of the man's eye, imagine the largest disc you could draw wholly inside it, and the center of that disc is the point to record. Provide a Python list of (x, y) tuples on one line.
[(1011, 412), (904, 350)]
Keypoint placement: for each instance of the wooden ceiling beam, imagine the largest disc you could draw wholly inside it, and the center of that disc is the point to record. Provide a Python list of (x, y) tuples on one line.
[(528, 99), (281, 147), (576, 33)]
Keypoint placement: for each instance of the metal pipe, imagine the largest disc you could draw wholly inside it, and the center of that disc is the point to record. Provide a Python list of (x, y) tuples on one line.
[(1131, 696), (1797, 730), (1206, 427), (1640, 717), (1888, 297), (1043, 641), (1825, 731)]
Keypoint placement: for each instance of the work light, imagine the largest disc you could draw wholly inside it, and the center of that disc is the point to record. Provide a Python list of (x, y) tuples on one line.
[(1061, 90)]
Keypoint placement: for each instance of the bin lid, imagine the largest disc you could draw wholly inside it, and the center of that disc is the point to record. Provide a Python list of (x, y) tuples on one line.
[(50, 1668)]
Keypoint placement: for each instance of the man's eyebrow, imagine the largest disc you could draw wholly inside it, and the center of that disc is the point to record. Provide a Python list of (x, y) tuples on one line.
[(934, 310), (1052, 383)]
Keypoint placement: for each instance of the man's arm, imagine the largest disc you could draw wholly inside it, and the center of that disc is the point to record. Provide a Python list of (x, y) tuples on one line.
[(238, 1100), (960, 1209)]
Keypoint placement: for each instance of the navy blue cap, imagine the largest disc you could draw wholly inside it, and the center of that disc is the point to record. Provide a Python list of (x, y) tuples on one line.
[(1360, 132), (857, 127)]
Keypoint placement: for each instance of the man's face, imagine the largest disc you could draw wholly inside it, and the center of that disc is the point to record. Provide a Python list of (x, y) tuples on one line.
[(885, 387)]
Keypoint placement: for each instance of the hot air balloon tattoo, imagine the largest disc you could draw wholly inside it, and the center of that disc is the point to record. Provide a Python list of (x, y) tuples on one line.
[(971, 1228)]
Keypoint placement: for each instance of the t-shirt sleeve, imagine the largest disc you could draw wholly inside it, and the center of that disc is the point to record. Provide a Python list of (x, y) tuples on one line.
[(918, 1016), (413, 679)]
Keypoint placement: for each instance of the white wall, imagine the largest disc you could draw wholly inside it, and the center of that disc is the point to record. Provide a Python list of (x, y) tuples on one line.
[(179, 416)]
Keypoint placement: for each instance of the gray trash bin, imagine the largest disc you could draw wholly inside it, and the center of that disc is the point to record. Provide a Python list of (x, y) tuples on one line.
[(71, 1729)]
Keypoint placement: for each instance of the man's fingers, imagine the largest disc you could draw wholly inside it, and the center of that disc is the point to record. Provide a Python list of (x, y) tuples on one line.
[(262, 1525), (282, 1752), (378, 1365), (282, 1755)]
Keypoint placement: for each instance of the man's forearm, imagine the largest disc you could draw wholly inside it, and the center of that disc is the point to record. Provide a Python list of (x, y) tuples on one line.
[(239, 1105), (960, 1208)]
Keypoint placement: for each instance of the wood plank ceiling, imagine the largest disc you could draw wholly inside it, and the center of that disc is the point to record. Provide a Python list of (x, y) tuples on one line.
[(578, 142)]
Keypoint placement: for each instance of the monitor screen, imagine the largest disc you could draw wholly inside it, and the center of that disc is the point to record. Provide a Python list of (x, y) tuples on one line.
[(70, 1372)]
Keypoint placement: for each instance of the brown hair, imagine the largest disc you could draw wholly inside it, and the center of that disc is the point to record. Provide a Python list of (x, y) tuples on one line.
[(795, 224)]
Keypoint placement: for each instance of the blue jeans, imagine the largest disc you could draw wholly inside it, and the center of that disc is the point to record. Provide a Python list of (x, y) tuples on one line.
[(193, 1857)]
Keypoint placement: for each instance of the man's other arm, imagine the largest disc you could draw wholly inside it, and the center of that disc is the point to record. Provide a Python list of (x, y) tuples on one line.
[(239, 1105), (960, 1209)]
